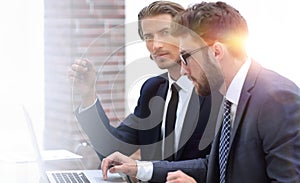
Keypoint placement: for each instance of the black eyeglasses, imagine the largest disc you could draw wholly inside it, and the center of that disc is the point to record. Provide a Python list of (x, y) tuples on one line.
[(184, 55)]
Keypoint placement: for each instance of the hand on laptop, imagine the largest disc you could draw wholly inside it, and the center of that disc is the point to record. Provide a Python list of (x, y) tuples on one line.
[(118, 163)]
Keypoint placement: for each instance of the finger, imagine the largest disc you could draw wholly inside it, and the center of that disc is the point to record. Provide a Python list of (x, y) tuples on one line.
[(104, 167), (84, 62), (171, 176), (75, 76), (174, 180), (171, 180), (119, 169), (103, 170), (81, 61), (107, 164), (79, 68), (70, 73)]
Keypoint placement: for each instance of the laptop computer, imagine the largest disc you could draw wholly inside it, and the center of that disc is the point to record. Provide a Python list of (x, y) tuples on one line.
[(60, 176)]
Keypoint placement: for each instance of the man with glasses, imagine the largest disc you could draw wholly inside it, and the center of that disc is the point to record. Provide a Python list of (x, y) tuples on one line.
[(258, 130), (147, 127)]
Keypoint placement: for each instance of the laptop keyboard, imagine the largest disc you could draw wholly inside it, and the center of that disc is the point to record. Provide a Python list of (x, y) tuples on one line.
[(70, 178)]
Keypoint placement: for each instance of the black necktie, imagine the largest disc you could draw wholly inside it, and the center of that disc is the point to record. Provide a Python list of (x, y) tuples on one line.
[(170, 124)]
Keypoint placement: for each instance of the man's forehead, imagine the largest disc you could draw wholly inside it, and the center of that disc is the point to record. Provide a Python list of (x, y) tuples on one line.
[(158, 18), (154, 24)]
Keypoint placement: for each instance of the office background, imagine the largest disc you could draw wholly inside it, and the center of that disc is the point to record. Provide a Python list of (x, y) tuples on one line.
[(40, 39)]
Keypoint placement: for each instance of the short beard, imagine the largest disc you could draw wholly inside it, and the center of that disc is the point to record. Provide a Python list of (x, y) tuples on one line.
[(204, 89)]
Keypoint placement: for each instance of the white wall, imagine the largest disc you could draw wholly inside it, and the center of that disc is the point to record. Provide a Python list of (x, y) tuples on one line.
[(21, 75), (274, 33)]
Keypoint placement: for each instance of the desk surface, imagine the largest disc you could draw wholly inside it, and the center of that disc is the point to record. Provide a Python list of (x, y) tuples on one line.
[(29, 172), (19, 172)]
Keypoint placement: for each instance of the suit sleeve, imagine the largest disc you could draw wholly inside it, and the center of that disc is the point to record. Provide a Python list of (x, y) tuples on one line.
[(280, 131), (196, 168), (105, 138)]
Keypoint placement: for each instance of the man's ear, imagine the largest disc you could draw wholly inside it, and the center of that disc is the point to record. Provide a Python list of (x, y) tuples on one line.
[(218, 50)]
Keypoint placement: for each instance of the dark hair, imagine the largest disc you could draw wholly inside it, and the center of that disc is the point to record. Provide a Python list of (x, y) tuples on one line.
[(158, 8), (215, 21)]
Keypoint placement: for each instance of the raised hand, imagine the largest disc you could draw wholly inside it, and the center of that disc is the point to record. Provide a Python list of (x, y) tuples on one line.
[(82, 76)]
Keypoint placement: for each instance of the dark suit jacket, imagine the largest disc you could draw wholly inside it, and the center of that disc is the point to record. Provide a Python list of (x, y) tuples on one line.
[(143, 128), (265, 139)]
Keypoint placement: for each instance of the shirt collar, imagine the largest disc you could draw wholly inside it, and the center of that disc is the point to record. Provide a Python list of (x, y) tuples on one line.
[(235, 88), (183, 82)]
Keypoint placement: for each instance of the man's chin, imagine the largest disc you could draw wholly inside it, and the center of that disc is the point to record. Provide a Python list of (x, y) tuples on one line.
[(161, 66), (164, 65), (201, 91)]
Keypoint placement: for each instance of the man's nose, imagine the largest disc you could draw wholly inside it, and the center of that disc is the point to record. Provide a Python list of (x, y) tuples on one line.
[(157, 42)]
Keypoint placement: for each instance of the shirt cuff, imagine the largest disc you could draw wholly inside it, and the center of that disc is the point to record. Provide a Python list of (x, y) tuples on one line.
[(144, 171), (81, 109)]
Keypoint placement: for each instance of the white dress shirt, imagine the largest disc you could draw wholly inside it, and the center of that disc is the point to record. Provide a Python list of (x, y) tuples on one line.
[(185, 92), (235, 88), (145, 168)]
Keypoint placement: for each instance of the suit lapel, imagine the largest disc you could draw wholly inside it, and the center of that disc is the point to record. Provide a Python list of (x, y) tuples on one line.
[(244, 98), (163, 88)]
